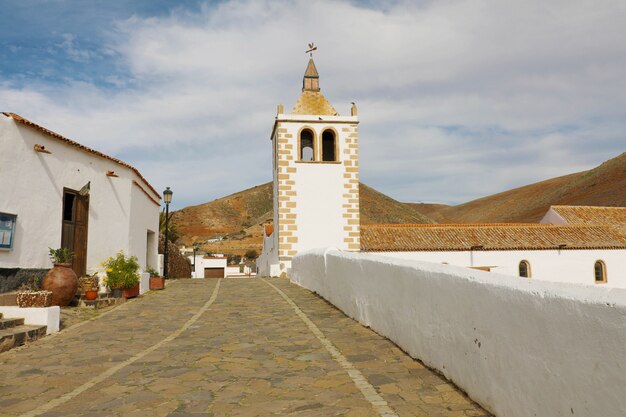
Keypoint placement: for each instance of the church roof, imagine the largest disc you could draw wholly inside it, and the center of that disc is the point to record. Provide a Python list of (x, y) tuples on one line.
[(487, 237), (313, 102), (576, 215), (311, 71)]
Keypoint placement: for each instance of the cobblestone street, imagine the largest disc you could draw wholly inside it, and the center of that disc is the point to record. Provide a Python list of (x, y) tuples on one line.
[(230, 347)]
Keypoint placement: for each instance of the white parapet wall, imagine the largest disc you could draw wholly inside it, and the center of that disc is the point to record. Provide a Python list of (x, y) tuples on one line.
[(519, 347), (38, 316)]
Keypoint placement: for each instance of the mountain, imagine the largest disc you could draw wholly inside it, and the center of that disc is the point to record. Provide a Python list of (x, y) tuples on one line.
[(604, 185), (239, 217)]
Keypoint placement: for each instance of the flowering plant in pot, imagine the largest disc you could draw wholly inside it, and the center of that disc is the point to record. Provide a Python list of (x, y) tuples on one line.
[(122, 276), (61, 280), (156, 282), (29, 294)]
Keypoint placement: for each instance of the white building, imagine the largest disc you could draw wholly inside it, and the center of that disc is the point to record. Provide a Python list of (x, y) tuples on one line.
[(585, 254), (209, 266), (59, 193), (316, 179)]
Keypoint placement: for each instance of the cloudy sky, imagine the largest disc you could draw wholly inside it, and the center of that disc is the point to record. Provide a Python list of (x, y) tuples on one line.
[(457, 98)]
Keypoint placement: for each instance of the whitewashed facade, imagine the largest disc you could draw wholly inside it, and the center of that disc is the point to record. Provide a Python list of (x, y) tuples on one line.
[(572, 266), (41, 174)]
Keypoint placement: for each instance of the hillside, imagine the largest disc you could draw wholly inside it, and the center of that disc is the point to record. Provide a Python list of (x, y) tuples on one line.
[(604, 185), (238, 217)]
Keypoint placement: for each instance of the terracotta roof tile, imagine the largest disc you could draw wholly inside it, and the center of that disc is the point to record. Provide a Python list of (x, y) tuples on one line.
[(614, 216), (313, 103), (463, 237), (55, 135)]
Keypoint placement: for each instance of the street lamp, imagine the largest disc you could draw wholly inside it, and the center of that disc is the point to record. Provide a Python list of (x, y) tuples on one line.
[(167, 197)]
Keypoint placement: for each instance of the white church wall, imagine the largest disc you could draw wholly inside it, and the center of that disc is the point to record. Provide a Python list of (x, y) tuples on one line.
[(319, 206), (268, 263), (574, 266), (518, 347), (34, 191)]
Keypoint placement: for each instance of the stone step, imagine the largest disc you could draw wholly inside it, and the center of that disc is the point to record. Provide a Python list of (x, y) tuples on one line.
[(19, 335), (100, 302), (7, 323)]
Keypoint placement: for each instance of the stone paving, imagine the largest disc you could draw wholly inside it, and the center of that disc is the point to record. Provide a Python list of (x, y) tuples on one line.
[(239, 351)]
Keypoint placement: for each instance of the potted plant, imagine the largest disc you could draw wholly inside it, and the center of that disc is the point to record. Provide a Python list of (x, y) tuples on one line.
[(89, 286), (61, 279), (29, 294), (156, 282), (122, 276)]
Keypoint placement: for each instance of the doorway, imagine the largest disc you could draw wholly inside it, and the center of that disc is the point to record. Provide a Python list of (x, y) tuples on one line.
[(74, 232)]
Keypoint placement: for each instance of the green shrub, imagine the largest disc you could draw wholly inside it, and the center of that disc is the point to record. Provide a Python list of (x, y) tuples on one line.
[(152, 272), (121, 271), (61, 255)]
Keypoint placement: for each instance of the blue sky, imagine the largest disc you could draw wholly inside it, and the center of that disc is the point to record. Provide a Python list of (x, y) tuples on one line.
[(457, 98)]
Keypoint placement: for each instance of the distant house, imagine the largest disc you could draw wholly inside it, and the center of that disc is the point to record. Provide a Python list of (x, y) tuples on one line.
[(209, 266), (56, 192)]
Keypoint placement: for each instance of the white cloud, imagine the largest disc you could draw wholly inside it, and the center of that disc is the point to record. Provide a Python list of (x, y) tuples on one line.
[(457, 99)]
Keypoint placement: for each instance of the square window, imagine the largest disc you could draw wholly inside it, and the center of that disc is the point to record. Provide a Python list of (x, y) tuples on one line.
[(7, 230)]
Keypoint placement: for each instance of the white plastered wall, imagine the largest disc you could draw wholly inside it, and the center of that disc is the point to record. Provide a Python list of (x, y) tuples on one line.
[(319, 211), (518, 347), (144, 227), (32, 183), (574, 266)]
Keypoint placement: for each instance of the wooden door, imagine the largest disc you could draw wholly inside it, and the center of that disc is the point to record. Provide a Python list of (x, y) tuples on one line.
[(79, 265), (74, 232), (214, 272)]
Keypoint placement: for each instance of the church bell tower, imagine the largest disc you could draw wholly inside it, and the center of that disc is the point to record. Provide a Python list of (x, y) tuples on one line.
[(315, 176)]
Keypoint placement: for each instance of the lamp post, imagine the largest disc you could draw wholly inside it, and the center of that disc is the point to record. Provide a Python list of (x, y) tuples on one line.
[(167, 197), (195, 248)]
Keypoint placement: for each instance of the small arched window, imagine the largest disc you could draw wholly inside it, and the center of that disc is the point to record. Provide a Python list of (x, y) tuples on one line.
[(328, 146), (599, 270), (524, 269), (307, 146)]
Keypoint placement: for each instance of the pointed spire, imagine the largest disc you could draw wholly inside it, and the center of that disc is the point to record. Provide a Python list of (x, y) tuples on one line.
[(311, 80)]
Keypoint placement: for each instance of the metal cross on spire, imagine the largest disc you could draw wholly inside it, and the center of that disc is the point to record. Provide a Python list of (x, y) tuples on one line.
[(312, 48)]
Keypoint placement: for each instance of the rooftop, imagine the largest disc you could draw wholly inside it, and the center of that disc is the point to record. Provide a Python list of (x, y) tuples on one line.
[(311, 101), (492, 236), (578, 215)]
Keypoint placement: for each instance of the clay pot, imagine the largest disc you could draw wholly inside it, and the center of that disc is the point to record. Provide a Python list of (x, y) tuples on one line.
[(157, 283), (63, 283), (91, 295), (131, 292)]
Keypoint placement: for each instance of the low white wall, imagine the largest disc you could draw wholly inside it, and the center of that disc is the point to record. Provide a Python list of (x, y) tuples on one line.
[(519, 347), (144, 282), (37, 316)]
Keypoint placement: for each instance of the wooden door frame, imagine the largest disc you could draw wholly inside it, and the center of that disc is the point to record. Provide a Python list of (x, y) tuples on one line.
[(79, 269)]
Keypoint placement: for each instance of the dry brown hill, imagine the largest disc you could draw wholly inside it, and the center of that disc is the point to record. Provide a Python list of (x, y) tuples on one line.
[(430, 210), (604, 185), (238, 217)]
